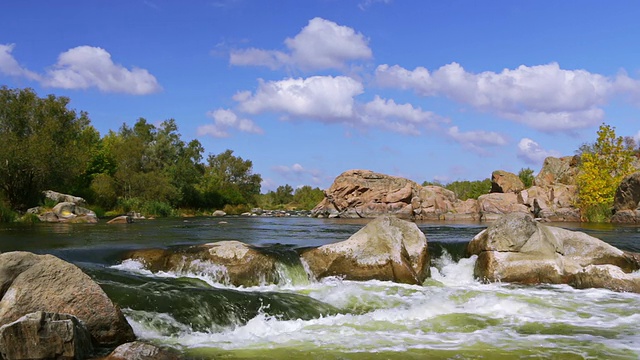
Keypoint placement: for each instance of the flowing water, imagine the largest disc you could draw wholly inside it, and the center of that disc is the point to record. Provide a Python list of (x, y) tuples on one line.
[(452, 316)]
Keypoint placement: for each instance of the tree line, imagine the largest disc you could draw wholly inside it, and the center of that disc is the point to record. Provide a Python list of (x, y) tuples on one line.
[(147, 168)]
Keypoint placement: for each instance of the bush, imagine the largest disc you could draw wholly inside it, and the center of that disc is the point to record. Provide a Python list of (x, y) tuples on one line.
[(598, 213), (6, 214), (157, 208), (236, 209), (29, 218)]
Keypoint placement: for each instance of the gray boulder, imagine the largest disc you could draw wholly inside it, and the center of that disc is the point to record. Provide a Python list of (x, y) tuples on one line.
[(30, 283), (518, 249), (142, 351), (388, 249), (626, 203), (44, 335)]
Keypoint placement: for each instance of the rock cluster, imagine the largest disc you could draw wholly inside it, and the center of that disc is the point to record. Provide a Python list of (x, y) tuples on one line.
[(366, 194), (69, 209), (517, 249), (387, 248)]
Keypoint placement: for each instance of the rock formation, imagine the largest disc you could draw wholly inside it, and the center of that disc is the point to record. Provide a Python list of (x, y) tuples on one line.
[(388, 249), (518, 249), (43, 335), (229, 261), (30, 283), (505, 182), (69, 209), (554, 170), (626, 203)]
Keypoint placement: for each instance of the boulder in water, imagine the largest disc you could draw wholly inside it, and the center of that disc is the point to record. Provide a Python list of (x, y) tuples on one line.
[(518, 249), (123, 219), (387, 248), (43, 335), (142, 351), (231, 261), (30, 282)]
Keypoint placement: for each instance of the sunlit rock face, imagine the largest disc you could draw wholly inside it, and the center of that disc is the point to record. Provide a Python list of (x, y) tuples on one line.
[(518, 249), (388, 249)]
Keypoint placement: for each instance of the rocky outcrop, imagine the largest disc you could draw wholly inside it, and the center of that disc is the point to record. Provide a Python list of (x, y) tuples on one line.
[(505, 182), (493, 206), (518, 249), (626, 203), (229, 262), (59, 197), (43, 335), (30, 283), (551, 203), (554, 171), (366, 194), (388, 249), (142, 351), (67, 212)]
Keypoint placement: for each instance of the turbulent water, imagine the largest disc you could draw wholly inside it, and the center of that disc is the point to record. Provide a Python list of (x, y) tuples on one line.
[(452, 316)]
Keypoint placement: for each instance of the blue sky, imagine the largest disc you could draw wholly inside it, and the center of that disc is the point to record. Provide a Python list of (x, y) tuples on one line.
[(428, 90)]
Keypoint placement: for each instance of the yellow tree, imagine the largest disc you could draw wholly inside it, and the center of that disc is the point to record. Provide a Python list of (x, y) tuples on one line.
[(602, 167)]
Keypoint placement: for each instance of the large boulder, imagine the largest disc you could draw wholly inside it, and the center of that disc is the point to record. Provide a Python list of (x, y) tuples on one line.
[(226, 261), (518, 249), (67, 212), (43, 335), (432, 202), (142, 351), (493, 206), (364, 193), (59, 197), (551, 203), (608, 277), (554, 170), (505, 182), (626, 203), (388, 249), (30, 283)]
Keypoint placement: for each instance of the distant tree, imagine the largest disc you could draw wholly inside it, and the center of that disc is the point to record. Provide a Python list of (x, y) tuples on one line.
[(306, 197), (526, 175), (602, 167), (43, 145), (230, 179), (283, 194)]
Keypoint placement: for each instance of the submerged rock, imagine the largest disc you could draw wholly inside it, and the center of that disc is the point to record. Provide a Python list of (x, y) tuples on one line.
[(30, 282), (387, 249), (142, 351), (123, 219), (44, 335), (231, 261), (518, 249)]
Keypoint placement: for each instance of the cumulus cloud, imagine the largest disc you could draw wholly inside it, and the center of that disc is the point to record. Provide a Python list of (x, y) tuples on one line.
[(401, 118), (544, 97), (330, 99), (322, 44), (225, 119), (477, 140), (86, 66), (532, 153), (10, 66), (320, 97)]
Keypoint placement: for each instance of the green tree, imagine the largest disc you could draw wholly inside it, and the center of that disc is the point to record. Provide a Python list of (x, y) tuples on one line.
[(284, 194), (603, 165), (229, 179), (306, 197), (43, 145), (526, 175)]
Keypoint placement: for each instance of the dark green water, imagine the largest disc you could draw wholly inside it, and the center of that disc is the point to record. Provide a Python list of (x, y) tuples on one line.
[(451, 317)]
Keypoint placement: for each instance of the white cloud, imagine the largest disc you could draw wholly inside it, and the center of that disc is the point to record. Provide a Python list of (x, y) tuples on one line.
[(544, 97), (477, 140), (86, 66), (532, 153), (298, 173), (83, 67), (365, 4), (322, 44), (319, 97), (401, 118), (225, 119), (10, 66)]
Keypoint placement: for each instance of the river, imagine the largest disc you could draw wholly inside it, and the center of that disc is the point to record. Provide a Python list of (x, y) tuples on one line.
[(452, 316)]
